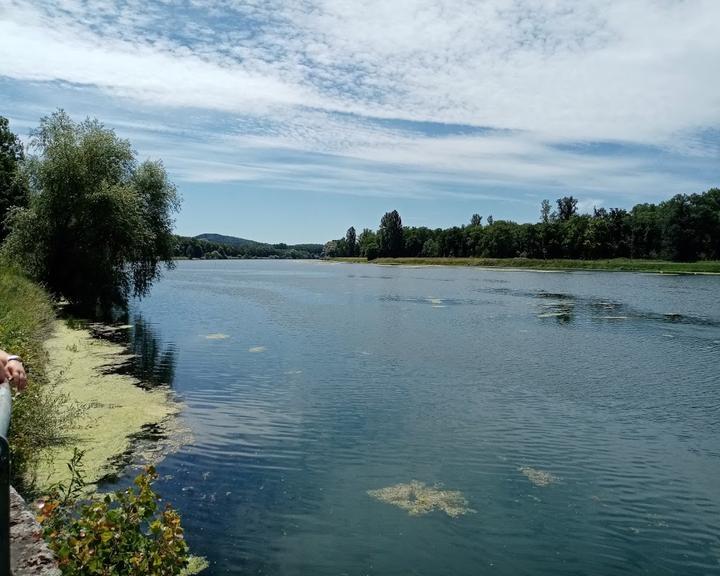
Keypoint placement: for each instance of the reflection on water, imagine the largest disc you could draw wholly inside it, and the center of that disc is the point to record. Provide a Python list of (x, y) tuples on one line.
[(154, 363), (151, 362), (577, 412)]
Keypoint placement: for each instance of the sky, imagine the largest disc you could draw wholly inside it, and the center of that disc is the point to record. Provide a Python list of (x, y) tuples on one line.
[(291, 120)]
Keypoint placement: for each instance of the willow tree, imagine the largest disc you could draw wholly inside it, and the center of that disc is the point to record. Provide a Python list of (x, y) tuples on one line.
[(99, 224)]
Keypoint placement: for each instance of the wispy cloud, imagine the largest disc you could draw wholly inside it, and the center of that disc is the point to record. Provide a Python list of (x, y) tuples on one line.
[(364, 85)]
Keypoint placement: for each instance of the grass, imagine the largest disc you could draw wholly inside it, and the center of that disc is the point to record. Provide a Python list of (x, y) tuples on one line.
[(41, 415), (615, 265)]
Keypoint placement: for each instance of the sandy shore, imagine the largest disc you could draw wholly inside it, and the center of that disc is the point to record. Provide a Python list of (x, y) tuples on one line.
[(114, 407)]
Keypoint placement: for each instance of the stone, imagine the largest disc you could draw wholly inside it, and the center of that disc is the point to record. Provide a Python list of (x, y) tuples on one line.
[(29, 554)]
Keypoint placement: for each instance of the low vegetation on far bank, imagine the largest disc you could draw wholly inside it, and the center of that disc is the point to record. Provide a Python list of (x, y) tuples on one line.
[(615, 265)]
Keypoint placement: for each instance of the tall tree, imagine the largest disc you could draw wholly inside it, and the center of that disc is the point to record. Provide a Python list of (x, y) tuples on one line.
[(351, 241), (391, 235), (99, 225), (13, 186), (567, 208), (476, 220), (545, 211)]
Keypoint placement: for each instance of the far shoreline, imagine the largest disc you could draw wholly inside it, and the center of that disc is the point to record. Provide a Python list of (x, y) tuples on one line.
[(709, 267)]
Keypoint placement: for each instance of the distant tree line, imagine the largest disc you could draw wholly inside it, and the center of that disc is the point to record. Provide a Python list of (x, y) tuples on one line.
[(683, 228), (198, 248)]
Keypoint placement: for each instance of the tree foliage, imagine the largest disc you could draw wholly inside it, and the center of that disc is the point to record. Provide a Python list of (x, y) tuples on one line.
[(351, 242), (13, 184), (683, 228), (199, 248), (99, 224), (567, 208), (390, 235)]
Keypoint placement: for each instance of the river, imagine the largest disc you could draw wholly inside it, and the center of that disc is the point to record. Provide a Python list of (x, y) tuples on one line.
[(573, 418)]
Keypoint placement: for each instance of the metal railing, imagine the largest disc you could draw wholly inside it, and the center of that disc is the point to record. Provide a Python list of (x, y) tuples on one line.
[(5, 410)]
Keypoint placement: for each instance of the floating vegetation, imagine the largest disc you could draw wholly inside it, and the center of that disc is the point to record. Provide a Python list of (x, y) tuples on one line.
[(121, 424), (256, 349), (216, 336), (417, 499), (196, 564), (540, 478), (562, 310), (554, 315), (552, 295)]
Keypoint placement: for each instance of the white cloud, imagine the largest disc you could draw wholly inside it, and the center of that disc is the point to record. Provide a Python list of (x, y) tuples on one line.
[(635, 70), (317, 76)]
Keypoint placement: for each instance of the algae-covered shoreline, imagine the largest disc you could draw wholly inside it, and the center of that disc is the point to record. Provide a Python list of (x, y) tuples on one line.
[(709, 267), (114, 409)]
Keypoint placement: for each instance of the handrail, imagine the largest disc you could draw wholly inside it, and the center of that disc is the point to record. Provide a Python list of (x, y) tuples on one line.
[(5, 412), (5, 408)]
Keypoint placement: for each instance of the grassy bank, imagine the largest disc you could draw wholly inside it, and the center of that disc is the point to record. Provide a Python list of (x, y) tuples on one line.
[(616, 265), (41, 414)]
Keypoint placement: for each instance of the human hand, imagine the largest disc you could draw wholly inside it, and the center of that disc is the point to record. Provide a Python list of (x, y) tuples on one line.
[(15, 372)]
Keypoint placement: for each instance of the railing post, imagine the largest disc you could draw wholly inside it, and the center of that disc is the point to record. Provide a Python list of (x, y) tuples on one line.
[(5, 411), (4, 507)]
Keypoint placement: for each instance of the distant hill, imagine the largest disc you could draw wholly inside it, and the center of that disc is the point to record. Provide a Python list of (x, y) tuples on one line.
[(214, 246), (228, 240)]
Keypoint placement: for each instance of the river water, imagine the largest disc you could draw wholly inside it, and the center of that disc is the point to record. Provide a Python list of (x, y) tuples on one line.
[(578, 414)]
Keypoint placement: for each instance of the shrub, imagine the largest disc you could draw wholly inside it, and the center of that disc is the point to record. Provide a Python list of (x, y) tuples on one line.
[(121, 534)]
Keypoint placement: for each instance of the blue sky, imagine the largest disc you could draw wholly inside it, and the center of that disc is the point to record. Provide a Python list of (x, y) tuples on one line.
[(290, 120)]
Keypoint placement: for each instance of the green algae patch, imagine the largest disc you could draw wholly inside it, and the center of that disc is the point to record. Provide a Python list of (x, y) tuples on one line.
[(116, 411), (196, 564), (418, 499), (540, 478)]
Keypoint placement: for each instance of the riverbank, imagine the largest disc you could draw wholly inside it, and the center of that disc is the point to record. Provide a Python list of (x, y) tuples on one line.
[(614, 265), (114, 410)]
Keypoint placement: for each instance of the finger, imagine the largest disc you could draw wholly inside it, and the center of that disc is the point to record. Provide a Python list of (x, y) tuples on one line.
[(15, 369)]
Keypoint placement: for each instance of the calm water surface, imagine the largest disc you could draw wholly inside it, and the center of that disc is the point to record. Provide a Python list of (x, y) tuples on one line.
[(323, 381)]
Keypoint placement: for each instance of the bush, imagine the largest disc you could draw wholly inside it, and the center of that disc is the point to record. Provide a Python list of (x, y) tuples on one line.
[(121, 534), (372, 251)]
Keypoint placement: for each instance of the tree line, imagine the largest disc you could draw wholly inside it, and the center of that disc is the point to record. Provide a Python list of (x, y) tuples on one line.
[(200, 248), (684, 228)]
